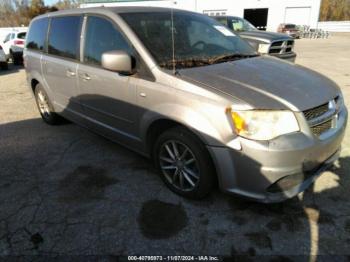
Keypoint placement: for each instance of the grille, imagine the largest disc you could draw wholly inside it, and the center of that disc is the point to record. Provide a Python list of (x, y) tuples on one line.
[(281, 47), (278, 43), (316, 112), (321, 128), (275, 51)]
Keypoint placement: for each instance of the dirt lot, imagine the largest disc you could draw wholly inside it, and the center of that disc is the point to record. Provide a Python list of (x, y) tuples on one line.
[(66, 191)]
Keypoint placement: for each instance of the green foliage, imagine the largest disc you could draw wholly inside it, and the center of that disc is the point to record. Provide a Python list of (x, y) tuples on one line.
[(335, 10), (18, 12)]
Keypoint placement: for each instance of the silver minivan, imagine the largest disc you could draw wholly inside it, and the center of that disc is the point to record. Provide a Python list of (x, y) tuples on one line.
[(189, 93)]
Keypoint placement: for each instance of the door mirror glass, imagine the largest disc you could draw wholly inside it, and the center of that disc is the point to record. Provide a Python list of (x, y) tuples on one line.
[(118, 61)]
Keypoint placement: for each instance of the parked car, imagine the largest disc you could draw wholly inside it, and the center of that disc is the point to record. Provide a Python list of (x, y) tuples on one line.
[(13, 45), (3, 60), (184, 90), (266, 43), (290, 29)]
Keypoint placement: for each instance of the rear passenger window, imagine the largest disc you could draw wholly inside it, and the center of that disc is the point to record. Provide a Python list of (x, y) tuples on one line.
[(37, 34), (64, 36), (101, 36)]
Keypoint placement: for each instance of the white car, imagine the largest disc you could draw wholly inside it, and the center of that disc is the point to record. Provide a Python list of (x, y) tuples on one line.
[(3, 59), (13, 45)]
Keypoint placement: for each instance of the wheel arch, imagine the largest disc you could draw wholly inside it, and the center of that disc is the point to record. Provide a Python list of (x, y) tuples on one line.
[(161, 125)]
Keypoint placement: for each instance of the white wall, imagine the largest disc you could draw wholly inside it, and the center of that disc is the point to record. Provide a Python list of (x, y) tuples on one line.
[(334, 26), (276, 13)]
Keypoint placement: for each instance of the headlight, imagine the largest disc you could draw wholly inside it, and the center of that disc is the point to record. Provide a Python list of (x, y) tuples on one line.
[(264, 124), (264, 48)]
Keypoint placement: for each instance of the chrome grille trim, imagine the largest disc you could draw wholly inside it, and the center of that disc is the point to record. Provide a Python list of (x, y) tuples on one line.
[(281, 47)]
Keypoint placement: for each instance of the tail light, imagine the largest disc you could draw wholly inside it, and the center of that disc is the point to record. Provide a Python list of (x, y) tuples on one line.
[(19, 42)]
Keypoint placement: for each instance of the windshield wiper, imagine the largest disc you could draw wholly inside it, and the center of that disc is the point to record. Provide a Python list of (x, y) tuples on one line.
[(230, 57), (193, 62), (184, 63)]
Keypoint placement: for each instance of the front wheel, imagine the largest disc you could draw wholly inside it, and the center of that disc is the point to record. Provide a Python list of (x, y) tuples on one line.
[(184, 163)]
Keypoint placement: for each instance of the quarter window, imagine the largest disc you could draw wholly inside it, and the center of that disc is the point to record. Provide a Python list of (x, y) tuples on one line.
[(64, 36), (102, 36), (37, 34)]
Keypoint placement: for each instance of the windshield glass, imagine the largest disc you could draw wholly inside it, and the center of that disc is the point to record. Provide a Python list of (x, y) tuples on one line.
[(22, 35), (290, 26), (239, 24), (198, 39)]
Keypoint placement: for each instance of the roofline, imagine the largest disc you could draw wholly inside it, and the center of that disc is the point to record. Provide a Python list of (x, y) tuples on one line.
[(110, 9), (117, 1)]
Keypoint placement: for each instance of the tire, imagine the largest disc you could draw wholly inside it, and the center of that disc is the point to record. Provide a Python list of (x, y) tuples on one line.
[(172, 168), (45, 107), (4, 66), (16, 58)]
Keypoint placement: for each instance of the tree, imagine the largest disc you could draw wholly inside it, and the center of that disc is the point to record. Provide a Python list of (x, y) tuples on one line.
[(36, 7), (335, 10)]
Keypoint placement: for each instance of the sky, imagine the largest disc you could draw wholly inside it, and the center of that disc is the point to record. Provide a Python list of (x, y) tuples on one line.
[(50, 2)]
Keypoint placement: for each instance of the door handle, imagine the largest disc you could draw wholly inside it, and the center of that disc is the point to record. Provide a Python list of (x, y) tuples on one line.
[(85, 77), (70, 73)]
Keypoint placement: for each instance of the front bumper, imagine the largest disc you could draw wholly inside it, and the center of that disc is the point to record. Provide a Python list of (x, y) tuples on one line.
[(277, 170)]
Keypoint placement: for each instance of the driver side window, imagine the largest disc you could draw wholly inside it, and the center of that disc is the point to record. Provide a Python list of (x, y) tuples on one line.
[(102, 36)]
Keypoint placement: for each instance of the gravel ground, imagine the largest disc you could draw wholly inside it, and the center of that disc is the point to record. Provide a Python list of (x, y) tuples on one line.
[(66, 191)]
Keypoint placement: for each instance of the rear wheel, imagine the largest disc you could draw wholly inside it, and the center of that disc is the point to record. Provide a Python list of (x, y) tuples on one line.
[(184, 163), (45, 107), (4, 66), (16, 58)]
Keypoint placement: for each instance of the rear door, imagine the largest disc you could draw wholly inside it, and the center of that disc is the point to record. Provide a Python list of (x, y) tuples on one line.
[(60, 64), (108, 98)]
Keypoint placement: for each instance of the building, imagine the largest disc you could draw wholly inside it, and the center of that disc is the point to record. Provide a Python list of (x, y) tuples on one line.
[(264, 14)]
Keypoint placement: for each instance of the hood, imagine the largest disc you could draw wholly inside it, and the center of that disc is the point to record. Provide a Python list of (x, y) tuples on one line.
[(270, 36), (265, 83)]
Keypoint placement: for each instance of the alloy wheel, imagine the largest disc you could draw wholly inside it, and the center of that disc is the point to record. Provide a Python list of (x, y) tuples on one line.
[(179, 165), (43, 104)]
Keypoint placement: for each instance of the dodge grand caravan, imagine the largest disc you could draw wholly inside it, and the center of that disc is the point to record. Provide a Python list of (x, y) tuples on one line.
[(188, 92)]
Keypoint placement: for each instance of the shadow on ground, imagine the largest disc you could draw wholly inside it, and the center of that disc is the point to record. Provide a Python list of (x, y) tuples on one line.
[(66, 191), (11, 69)]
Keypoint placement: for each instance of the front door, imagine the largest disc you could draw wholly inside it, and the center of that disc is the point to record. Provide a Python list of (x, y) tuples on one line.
[(107, 98)]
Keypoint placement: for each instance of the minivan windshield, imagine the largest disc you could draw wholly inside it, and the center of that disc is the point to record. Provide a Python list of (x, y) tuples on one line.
[(197, 40)]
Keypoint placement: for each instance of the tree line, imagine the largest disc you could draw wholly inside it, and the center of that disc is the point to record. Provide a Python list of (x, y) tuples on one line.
[(20, 12), (335, 10), (15, 13)]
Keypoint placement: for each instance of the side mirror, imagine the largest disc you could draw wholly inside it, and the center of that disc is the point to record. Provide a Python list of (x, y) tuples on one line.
[(118, 61)]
